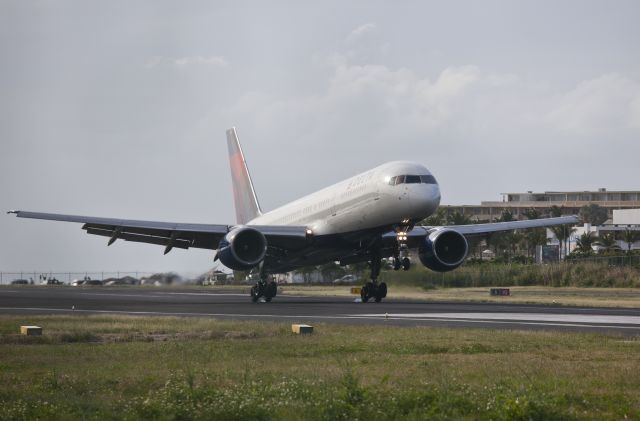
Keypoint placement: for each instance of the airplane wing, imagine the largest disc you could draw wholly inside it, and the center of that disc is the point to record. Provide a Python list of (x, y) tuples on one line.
[(481, 229), (170, 234), (416, 236)]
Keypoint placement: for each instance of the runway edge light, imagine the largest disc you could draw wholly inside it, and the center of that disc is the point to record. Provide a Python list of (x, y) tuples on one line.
[(301, 329), (31, 330)]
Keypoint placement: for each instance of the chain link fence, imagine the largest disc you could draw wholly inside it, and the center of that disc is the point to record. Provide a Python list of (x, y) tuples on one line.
[(39, 277)]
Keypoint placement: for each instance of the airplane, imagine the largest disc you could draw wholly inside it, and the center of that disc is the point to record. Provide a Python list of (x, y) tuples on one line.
[(365, 218)]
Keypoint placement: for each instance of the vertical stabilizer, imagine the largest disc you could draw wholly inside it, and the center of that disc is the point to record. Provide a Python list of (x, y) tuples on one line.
[(244, 196)]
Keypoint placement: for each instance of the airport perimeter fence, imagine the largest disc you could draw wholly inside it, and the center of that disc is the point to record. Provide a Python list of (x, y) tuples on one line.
[(621, 271), (39, 277)]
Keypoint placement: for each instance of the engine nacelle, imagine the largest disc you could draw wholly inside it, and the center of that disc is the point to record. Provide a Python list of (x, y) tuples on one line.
[(444, 250), (242, 248)]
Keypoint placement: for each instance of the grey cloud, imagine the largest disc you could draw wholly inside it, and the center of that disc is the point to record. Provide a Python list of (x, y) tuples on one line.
[(115, 109), (361, 31)]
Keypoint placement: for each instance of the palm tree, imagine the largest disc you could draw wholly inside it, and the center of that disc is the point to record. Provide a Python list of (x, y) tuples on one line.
[(607, 243), (458, 218), (585, 243), (563, 233), (535, 237), (594, 214), (437, 219), (555, 211), (629, 237)]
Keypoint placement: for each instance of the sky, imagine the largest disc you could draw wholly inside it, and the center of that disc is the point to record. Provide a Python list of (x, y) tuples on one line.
[(119, 109)]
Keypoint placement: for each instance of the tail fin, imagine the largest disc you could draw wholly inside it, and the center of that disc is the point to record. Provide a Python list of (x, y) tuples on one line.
[(244, 196)]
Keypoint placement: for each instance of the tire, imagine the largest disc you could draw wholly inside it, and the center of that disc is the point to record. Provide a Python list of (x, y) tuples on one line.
[(382, 290), (271, 290), (267, 299), (364, 293), (406, 263), (255, 294), (396, 264)]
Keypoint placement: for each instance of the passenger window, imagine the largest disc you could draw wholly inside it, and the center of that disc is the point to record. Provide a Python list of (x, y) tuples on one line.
[(412, 179)]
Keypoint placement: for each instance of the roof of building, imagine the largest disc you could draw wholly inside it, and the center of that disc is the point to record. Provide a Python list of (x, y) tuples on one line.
[(576, 192)]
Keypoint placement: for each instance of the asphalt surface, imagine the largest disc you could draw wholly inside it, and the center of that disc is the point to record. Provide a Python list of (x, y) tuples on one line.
[(235, 304)]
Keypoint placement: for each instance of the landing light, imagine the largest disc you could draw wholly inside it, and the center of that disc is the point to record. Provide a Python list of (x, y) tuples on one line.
[(309, 231)]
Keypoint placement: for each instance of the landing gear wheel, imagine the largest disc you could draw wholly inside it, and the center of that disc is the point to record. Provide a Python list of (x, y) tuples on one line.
[(406, 263), (396, 263), (367, 292), (255, 293), (271, 291), (382, 290)]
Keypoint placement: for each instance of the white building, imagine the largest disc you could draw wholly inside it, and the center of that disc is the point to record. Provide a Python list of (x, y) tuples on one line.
[(623, 219)]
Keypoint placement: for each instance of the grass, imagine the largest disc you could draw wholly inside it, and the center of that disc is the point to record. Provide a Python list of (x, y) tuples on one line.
[(591, 274), (115, 367), (568, 296)]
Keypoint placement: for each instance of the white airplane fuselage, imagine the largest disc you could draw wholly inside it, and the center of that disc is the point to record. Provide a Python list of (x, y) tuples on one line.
[(362, 202)]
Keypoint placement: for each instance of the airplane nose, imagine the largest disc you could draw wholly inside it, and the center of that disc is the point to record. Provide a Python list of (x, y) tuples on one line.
[(426, 200)]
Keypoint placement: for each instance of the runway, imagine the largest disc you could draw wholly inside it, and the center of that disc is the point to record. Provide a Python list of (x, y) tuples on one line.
[(235, 304)]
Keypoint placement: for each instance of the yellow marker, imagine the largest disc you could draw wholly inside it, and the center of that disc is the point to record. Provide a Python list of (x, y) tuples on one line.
[(356, 290)]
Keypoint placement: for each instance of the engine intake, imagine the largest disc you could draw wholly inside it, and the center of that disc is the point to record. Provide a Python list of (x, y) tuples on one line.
[(443, 250), (242, 248)]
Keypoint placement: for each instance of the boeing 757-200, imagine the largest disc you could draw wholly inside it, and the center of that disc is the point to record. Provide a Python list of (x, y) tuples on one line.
[(365, 218)]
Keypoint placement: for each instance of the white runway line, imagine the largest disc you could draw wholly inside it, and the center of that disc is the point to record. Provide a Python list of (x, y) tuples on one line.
[(336, 317), (538, 317)]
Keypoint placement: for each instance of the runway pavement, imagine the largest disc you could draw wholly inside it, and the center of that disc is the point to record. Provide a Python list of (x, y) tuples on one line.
[(235, 304)]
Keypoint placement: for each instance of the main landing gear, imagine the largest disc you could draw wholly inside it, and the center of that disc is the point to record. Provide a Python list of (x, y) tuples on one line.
[(373, 289), (264, 288), (378, 291)]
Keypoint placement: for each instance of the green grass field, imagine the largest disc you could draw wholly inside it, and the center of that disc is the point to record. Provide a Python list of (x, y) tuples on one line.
[(106, 367)]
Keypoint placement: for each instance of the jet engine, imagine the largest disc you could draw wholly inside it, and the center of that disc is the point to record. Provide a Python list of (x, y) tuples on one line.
[(242, 248), (444, 250)]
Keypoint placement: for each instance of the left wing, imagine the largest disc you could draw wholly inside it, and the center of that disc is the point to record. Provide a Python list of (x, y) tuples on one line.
[(416, 236), (480, 229), (171, 234)]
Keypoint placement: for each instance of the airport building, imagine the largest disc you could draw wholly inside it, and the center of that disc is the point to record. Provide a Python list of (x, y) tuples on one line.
[(569, 201)]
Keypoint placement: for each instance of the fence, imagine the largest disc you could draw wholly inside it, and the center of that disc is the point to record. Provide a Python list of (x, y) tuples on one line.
[(37, 277)]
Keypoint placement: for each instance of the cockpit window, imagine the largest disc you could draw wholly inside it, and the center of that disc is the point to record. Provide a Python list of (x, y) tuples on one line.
[(428, 179), (398, 179), (412, 179)]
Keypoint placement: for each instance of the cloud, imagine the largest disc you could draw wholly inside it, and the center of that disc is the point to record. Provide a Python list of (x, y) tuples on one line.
[(360, 31), (214, 61), (610, 101)]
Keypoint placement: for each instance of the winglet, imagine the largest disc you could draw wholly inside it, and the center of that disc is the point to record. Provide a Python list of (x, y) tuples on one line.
[(244, 196)]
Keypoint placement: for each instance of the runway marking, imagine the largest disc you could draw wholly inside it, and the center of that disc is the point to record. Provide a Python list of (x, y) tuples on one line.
[(337, 317), (571, 318), (158, 294)]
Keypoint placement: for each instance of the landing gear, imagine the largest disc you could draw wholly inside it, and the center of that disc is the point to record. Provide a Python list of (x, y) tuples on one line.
[(400, 257), (373, 289), (264, 288), (406, 263)]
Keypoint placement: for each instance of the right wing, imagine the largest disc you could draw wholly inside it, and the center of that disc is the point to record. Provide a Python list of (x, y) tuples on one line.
[(171, 234)]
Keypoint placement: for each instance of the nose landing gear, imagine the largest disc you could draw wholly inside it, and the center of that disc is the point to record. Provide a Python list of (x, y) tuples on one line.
[(401, 257)]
